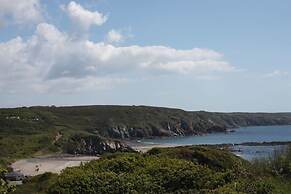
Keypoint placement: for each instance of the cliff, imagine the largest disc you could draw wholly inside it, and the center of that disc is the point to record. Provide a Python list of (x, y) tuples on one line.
[(141, 121), (122, 122), (99, 129)]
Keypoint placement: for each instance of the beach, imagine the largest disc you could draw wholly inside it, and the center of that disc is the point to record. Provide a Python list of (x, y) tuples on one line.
[(55, 164)]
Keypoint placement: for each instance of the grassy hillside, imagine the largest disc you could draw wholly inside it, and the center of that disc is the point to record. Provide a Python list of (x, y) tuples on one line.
[(98, 129), (128, 121), (193, 169)]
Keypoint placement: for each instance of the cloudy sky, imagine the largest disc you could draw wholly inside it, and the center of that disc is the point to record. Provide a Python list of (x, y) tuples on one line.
[(210, 55)]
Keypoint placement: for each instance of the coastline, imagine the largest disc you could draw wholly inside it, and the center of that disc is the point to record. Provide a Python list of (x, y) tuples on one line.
[(144, 147)]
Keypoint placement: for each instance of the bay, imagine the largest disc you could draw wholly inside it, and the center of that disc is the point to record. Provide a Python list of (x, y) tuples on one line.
[(257, 134)]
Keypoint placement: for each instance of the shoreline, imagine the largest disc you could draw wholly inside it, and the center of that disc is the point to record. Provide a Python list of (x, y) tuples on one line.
[(144, 147), (56, 163)]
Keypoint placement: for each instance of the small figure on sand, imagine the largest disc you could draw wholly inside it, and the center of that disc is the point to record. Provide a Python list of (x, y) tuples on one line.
[(36, 168)]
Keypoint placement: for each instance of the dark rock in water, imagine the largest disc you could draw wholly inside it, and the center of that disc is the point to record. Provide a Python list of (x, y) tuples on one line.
[(217, 129)]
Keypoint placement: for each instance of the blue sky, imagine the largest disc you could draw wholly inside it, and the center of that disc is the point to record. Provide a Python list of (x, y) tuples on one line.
[(197, 55)]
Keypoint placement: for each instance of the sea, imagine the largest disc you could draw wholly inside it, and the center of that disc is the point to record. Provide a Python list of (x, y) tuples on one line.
[(257, 134)]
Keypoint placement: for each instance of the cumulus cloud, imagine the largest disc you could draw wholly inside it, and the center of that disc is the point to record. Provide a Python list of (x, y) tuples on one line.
[(21, 11), (114, 36), (52, 59), (83, 17)]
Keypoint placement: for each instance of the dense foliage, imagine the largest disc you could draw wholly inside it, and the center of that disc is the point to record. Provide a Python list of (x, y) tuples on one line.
[(4, 186), (198, 170)]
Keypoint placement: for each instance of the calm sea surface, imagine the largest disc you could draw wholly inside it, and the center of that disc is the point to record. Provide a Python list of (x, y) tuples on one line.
[(240, 135)]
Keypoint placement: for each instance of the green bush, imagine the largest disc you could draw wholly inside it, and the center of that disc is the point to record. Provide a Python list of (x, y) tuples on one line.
[(159, 173), (4, 187), (163, 170)]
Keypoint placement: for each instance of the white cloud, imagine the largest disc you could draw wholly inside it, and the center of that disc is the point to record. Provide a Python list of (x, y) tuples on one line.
[(83, 17), (276, 73), (71, 85), (114, 36), (21, 11), (51, 60)]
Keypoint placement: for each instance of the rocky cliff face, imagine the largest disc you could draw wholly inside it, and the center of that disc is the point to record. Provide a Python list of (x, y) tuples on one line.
[(193, 123), (93, 145), (171, 129)]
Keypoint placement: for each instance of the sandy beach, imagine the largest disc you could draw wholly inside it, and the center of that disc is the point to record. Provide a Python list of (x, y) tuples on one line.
[(144, 147), (54, 164)]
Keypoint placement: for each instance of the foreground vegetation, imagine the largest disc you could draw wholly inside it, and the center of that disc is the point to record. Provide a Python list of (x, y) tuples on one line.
[(195, 169), (4, 186)]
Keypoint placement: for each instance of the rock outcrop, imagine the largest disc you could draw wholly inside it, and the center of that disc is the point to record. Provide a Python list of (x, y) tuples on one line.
[(93, 145)]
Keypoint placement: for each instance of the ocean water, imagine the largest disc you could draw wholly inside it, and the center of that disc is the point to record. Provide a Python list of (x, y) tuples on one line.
[(256, 152), (240, 135)]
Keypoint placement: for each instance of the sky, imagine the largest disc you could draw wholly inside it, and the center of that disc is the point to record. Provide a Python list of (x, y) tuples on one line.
[(225, 55)]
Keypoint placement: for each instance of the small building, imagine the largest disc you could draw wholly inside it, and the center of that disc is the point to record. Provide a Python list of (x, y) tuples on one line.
[(14, 176)]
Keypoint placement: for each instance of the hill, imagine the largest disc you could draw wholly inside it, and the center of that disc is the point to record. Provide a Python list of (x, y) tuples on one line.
[(98, 129)]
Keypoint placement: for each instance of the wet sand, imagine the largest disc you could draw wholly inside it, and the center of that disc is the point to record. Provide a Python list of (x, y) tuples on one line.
[(54, 164)]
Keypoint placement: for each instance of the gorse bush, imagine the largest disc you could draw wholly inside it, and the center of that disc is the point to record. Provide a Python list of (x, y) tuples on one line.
[(163, 170), (136, 174), (4, 186), (193, 169)]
